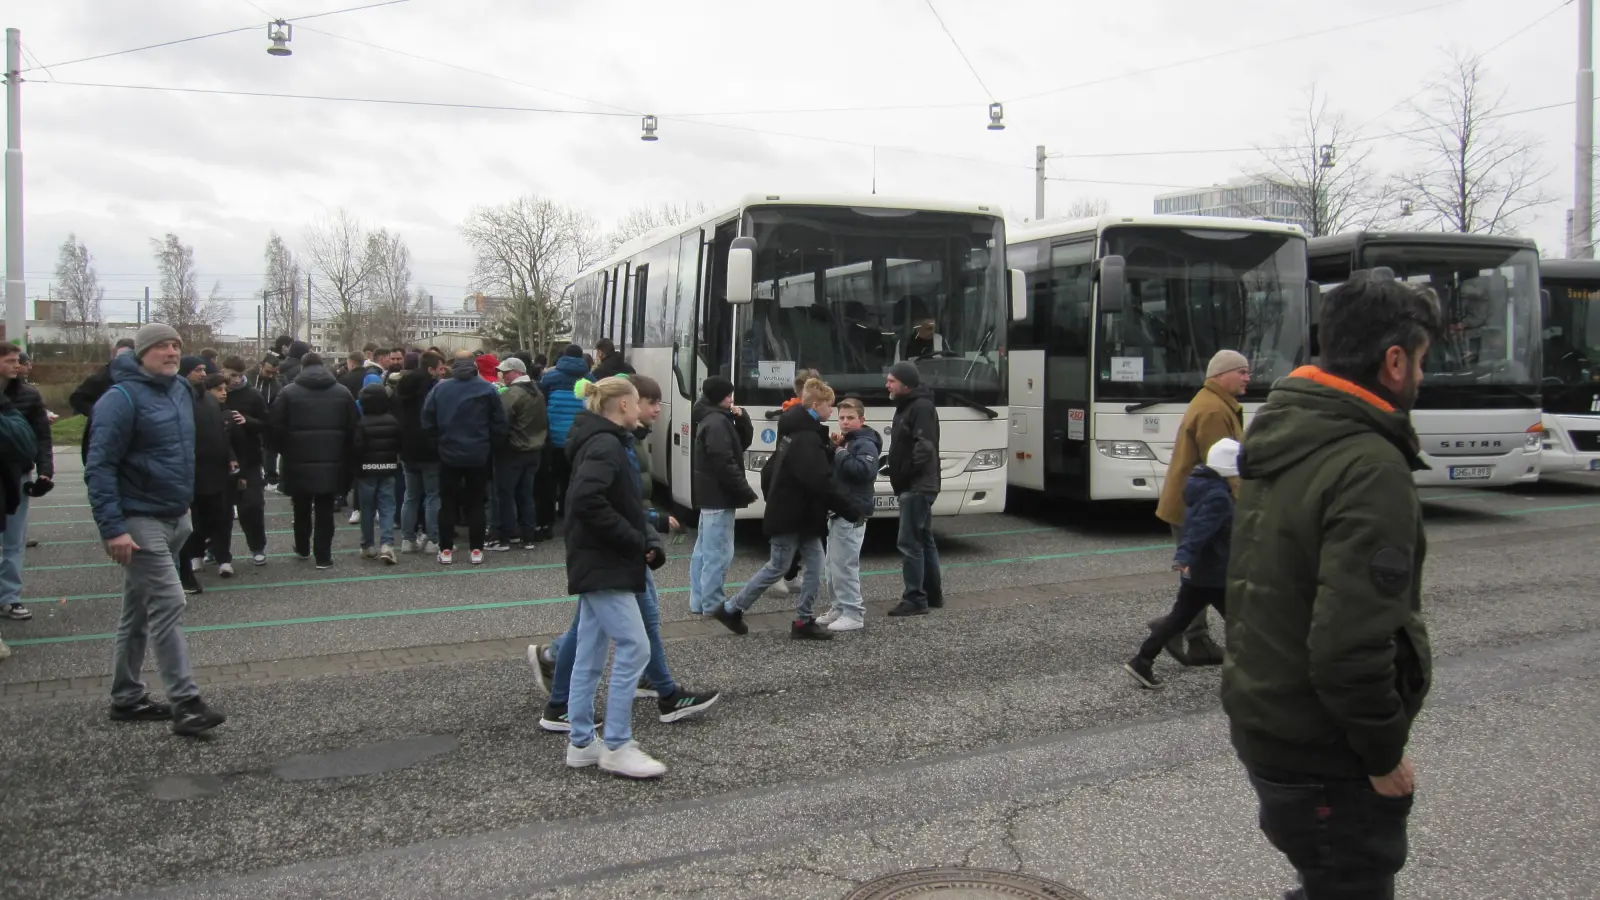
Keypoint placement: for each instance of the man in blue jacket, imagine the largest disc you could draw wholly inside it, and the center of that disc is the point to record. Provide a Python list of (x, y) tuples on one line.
[(561, 405), (465, 415), (141, 481)]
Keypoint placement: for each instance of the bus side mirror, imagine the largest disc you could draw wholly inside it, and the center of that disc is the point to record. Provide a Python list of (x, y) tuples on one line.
[(1544, 305), (1113, 284), (1019, 295), (741, 270)]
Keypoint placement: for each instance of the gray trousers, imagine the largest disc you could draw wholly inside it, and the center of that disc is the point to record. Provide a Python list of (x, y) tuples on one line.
[(1198, 628), (152, 613)]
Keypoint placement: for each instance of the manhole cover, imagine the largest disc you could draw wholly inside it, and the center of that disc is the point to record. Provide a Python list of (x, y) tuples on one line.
[(367, 759), (957, 883)]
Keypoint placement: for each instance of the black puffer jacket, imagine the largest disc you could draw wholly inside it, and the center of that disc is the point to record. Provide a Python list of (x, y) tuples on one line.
[(83, 400), (914, 444), (313, 424), (213, 445), (248, 402), (608, 530), (721, 438), (416, 445), (28, 401), (290, 370), (798, 480), (610, 367), (378, 438)]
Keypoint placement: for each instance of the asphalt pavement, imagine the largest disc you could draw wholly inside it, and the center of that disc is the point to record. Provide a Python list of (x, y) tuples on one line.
[(381, 739)]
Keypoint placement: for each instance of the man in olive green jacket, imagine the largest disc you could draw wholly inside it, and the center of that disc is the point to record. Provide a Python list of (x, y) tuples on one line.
[(1328, 659)]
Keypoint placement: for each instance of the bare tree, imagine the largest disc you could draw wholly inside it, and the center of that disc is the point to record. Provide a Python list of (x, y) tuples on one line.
[(1088, 207), (281, 290), (197, 321), (336, 247), (528, 252), (1474, 176), (79, 287), (1322, 174), (389, 308), (644, 219)]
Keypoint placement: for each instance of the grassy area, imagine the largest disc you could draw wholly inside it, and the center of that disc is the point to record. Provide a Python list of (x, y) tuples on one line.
[(68, 430)]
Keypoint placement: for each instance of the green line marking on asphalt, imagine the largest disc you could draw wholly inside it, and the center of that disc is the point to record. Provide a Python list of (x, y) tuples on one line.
[(545, 601), (280, 514)]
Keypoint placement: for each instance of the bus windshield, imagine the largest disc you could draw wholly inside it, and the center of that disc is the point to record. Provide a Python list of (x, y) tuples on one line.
[(1572, 340), (1489, 301), (851, 291), (1192, 292)]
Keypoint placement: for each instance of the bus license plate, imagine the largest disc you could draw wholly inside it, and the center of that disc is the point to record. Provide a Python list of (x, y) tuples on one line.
[(1471, 473), (886, 501)]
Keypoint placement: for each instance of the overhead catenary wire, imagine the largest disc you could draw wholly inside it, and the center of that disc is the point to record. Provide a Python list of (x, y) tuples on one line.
[(988, 94)]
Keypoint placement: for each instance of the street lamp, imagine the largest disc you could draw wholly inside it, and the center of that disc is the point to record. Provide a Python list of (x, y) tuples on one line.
[(997, 114), (649, 129), (1405, 206), (1328, 159), (280, 33)]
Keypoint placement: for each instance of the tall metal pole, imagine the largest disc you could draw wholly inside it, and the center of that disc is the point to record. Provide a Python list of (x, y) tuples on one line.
[(1583, 180), (1038, 182), (144, 313), (308, 308), (16, 305)]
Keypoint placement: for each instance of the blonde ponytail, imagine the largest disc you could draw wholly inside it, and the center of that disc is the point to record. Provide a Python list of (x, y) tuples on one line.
[(597, 395)]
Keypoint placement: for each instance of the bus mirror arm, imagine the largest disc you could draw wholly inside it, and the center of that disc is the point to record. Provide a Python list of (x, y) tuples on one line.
[(1019, 295), (1113, 283), (741, 270), (1544, 305)]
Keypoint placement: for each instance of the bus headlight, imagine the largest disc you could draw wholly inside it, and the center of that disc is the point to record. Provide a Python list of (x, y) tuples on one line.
[(1533, 440), (984, 460), (756, 460), (1124, 449)]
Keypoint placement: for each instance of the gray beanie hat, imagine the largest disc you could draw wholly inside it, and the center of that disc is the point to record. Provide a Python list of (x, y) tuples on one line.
[(153, 334), (1226, 361), (905, 372)]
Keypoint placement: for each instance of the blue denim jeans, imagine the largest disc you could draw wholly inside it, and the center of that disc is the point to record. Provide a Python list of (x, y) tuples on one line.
[(713, 553), (844, 565), (564, 649), (376, 493), (13, 545), (513, 491), (422, 497), (783, 548), (606, 617), (921, 556)]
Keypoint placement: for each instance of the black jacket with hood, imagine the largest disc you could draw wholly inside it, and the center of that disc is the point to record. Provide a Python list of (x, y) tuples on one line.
[(798, 479), (721, 438), (855, 466), (249, 403), (28, 401), (416, 445), (313, 425), (213, 446), (914, 444), (608, 533), (378, 437), (290, 370)]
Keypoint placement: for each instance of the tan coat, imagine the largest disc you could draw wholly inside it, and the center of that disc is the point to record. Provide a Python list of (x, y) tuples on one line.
[(1212, 415)]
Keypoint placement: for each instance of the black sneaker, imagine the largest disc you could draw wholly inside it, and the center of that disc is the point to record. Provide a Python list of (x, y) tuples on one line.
[(546, 533), (808, 630), (142, 710), (645, 691), (191, 585), (1203, 651), (733, 621), (1142, 671), (191, 717), (685, 705), (554, 718), (907, 608), (544, 671), (936, 603), (497, 546), (16, 611)]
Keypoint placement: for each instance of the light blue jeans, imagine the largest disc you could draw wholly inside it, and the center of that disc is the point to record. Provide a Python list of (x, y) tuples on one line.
[(844, 565), (376, 495), (607, 617), (13, 544), (783, 547), (564, 651), (708, 567), (422, 497)]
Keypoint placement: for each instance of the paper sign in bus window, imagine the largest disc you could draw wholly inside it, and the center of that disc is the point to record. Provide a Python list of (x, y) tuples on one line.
[(1127, 368), (775, 374)]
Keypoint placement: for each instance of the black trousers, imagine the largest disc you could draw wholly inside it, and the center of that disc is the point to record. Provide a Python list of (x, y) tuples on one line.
[(212, 518), (1191, 603), (550, 485), (313, 526), (1346, 840), (463, 488), (252, 506)]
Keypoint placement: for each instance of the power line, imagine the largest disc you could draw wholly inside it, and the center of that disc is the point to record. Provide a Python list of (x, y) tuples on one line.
[(258, 9), (36, 64), (331, 98), (957, 44), (201, 37)]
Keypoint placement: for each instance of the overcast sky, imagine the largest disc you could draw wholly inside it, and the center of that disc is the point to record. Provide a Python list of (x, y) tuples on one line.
[(120, 166)]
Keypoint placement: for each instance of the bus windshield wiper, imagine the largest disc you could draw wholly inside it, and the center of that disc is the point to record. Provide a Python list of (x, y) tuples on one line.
[(963, 400), (1146, 404)]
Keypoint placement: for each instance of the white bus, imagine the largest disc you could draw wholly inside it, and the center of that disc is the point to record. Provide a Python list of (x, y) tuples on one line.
[(1571, 365), (1478, 410), (781, 283), (1123, 314)]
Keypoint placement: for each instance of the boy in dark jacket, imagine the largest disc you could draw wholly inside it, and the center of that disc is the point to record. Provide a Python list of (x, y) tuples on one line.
[(855, 470), (215, 471), (247, 410), (798, 483), (1202, 559), (378, 462), (722, 433)]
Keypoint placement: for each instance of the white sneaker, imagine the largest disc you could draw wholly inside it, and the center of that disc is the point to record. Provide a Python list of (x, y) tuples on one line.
[(386, 553), (408, 546), (355, 517), (829, 617), (446, 557), (788, 586), (477, 557), (584, 757), (259, 559), (225, 570), (846, 623), (629, 762), (430, 546)]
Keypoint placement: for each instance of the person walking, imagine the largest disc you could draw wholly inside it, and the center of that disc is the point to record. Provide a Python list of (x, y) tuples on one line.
[(1212, 415), (464, 415), (377, 462), (38, 479), (561, 405), (608, 535), (800, 492), (855, 470), (722, 434), (419, 456), (92, 389), (914, 476), (17, 449), (141, 480), (1328, 656), (313, 424), (247, 409), (215, 473), (516, 460)]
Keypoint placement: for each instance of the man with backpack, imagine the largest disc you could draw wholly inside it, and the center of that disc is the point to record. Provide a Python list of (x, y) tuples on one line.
[(38, 478)]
